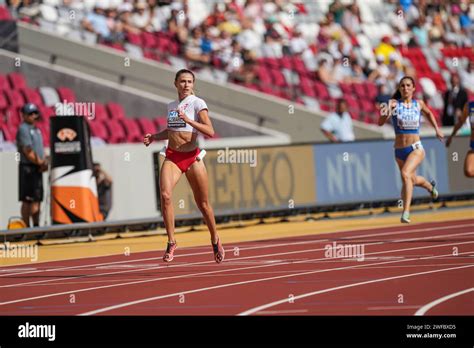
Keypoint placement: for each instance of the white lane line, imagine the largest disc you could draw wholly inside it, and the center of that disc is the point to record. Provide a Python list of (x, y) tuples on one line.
[(382, 308), (245, 248), (432, 304), (285, 300), (289, 311), (212, 262), (131, 303)]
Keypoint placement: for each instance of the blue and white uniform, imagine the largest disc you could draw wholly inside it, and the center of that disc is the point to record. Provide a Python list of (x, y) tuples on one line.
[(470, 110), (407, 120)]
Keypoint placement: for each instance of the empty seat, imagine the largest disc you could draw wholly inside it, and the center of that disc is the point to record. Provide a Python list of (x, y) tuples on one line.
[(116, 132), (161, 123), (50, 96), (3, 101), (100, 112), (115, 111), (146, 125), (134, 39), (8, 133), (15, 98), (13, 116), (17, 80), (132, 130), (47, 112), (32, 96), (5, 14), (66, 94), (98, 129), (4, 85)]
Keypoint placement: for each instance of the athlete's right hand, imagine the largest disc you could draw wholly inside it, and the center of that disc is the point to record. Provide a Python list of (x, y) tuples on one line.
[(148, 139), (448, 141)]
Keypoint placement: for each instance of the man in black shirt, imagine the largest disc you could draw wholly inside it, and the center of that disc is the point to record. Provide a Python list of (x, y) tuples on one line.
[(454, 101), (104, 189)]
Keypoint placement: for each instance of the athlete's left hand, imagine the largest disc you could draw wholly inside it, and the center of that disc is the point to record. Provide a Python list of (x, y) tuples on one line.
[(183, 116), (440, 135)]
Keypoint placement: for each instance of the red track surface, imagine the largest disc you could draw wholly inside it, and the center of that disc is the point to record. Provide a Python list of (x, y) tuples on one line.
[(404, 269)]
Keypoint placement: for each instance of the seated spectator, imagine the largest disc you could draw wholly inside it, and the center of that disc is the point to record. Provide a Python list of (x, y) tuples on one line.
[(420, 33), (337, 9), (193, 50), (324, 73), (467, 77), (248, 38), (351, 21), (271, 47), (96, 22), (454, 100), (337, 127), (385, 49), (125, 18), (298, 44), (141, 17), (381, 73)]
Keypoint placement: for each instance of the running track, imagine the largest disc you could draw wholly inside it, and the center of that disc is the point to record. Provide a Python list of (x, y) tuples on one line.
[(422, 269)]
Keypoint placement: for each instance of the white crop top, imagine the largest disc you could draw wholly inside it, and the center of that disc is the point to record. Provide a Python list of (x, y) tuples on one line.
[(191, 106)]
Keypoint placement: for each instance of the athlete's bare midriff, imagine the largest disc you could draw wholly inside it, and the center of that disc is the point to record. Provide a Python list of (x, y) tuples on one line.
[(405, 140), (182, 141)]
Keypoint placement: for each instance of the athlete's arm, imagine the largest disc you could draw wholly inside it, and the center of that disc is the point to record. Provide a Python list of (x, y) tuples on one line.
[(148, 139), (458, 125), (205, 126), (428, 114), (386, 111)]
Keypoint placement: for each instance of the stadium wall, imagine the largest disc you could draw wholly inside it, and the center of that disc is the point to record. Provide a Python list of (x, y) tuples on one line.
[(254, 107)]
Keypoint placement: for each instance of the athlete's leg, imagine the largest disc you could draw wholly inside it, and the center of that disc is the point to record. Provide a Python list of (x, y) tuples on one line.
[(407, 172), (169, 176), (197, 177), (469, 164), (35, 212)]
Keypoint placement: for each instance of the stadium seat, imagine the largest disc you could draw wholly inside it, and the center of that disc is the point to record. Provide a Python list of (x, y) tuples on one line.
[(17, 80), (47, 112), (161, 123), (134, 39), (15, 98), (8, 135), (13, 116), (98, 130), (100, 112), (116, 132), (50, 96), (148, 40), (5, 14), (146, 125), (4, 85), (132, 130), (32, 96), (3, 101), (321, 90), (115, 111), (66, 94)]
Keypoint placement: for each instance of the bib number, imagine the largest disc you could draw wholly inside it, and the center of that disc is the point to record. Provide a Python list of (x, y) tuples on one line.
[(174, 121)]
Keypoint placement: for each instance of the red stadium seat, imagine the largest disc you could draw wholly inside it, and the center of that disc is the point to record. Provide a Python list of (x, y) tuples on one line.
[(346, 88), (161, 123), (5, 14), (148, 40), (17, 80), (47, 112), (4, 85), (134, 39), (278, 79), (115, 111), (132, 130), (3, 101), (98, 130), (147, 126), (306, 86), (32, 96), (371, 90), (8, 133), (15, 98), (66, 94), (100, 112), (116, 132), (13, 116), (321, 90), (264, 75)]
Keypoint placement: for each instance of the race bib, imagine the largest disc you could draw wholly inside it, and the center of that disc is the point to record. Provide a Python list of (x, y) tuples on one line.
[(409, 119), (471, 116), (174, 121)]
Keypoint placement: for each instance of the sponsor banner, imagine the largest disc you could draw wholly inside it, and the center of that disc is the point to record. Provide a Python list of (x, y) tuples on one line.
[(367, 171), (73, 187), (276, 177)]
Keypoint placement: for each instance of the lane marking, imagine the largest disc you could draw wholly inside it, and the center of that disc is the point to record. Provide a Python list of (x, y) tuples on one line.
[(131, 303), (212, 262), (434, 303), (251, 248), (285, 300)]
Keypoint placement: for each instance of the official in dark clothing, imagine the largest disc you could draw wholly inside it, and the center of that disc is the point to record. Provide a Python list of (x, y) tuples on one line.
[(104, 189), (454, 101), (29, 141)]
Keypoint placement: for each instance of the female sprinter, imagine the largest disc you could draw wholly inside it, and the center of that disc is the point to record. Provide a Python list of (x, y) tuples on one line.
[(406, 116), (469, 161), (186, 116)]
